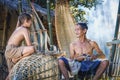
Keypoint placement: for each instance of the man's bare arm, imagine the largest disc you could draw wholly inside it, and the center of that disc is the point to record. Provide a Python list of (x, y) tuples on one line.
[(27, 37), (71, 51), (99, 51)]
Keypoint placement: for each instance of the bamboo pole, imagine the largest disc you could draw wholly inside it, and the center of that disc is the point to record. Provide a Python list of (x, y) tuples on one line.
[(49, 24), (34, 29), (20, 6), (4, 31)]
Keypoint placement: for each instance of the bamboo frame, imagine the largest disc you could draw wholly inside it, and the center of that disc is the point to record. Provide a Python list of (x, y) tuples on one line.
[(115, 38), (49, 24), (113, 42)]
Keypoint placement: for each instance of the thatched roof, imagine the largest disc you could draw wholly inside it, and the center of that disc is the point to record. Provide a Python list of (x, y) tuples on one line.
[(14, 5)]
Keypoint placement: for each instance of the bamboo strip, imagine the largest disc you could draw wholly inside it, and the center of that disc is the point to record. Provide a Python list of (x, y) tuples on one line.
[(46, 41)]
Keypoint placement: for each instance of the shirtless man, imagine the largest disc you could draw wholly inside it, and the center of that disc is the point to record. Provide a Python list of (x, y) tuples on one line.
[(81, 47), (14, 52)]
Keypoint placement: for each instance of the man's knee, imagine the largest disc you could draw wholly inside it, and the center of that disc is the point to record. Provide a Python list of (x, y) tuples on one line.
[(105, 63), (60, 62), (32, 50)]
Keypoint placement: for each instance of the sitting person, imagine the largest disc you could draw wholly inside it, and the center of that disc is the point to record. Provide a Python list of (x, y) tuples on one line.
[(81, 50), (14, 52)]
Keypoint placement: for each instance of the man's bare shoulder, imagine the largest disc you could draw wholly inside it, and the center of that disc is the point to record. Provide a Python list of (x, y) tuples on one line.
[(93, 43), (22, 30), (17, 36)]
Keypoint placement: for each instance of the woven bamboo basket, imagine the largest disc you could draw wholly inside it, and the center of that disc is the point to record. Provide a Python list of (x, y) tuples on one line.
[(35, 67)]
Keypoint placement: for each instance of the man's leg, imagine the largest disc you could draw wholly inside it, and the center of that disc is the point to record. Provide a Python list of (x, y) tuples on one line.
[(63, 69), (102, 67), (28, 50)]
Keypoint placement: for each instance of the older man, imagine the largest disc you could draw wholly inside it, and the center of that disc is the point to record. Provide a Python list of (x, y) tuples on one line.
[(81, 50)]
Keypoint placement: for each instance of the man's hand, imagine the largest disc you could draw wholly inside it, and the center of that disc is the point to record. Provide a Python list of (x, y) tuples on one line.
[(93, 57), (80, 58), (35, 44)]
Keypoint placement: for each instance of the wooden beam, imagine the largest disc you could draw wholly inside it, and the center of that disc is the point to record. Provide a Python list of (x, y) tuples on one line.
[(113, 42)]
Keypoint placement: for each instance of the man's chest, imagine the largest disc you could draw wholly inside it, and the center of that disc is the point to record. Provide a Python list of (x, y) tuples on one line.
[(85, 48)]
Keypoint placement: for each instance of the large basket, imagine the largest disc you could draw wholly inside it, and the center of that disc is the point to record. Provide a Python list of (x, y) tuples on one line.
[(35, 67)]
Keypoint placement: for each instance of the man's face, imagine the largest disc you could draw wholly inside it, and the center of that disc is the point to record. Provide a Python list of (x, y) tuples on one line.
[(79, 31)]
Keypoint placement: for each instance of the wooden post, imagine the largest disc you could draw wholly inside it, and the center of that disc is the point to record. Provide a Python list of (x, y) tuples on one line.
[(115, 38)]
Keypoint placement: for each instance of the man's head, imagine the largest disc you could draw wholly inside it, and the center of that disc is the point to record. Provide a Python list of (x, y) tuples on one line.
[(25, 20), (81, 29)]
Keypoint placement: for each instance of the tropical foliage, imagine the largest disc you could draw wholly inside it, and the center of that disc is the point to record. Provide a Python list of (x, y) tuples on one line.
[(76, 12), (79, 13)]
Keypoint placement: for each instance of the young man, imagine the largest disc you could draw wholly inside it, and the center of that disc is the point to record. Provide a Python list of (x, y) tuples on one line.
[(79, 51), (14, 52)]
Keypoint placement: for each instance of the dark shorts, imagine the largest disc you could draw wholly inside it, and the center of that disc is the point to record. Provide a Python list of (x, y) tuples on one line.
[(87, 67)]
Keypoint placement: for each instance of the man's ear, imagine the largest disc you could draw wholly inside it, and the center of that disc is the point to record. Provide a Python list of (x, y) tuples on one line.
[(85, 30), (25, 20)]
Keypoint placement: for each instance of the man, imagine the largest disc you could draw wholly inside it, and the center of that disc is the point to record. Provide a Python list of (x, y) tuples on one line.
[(82, 49), (14, 52)]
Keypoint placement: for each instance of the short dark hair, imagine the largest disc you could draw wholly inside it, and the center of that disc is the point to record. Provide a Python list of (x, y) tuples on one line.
[(83, 25), (22, 17)]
